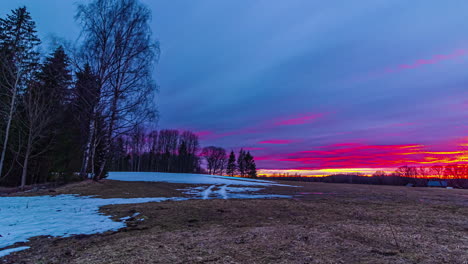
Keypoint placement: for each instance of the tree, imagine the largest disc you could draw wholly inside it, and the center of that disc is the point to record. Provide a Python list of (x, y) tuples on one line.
[(189, 159), (408, 174), (137, 139), (231, 165), (241, 166), (437, 171), (379, 173), (251, 168), (407, 171), (43, 105), (118, 46), (168, 148), (86, 96), (183, 158), (153, 150), (18, 63), (215, 158)]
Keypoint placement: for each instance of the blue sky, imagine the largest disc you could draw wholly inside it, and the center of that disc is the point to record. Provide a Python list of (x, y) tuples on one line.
[(305, 75)]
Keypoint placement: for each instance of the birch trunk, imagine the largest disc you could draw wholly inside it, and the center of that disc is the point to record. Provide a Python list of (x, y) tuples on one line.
[(8, 127), (87, 151), (25, 163)]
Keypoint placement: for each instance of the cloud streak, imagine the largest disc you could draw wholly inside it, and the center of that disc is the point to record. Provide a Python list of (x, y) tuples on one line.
[(276, 141)]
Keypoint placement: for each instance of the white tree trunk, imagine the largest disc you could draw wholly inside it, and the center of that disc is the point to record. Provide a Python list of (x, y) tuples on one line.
[(25, 163), (87, 151), (8, 127)]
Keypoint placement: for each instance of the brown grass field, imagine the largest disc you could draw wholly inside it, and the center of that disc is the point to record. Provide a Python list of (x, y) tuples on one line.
[(323, 223)]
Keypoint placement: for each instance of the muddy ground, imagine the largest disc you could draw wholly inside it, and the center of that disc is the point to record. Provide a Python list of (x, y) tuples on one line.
[(322, 223)]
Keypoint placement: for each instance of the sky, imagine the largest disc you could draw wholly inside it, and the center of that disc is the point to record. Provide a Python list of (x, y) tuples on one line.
[(308, 86)]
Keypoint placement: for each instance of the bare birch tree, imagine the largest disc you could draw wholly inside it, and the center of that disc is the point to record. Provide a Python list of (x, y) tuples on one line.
[(37, 119), (18, 61), (119, 48)]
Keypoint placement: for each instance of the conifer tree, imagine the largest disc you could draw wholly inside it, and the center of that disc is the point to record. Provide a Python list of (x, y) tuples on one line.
[(241, 163), (183, 158), (85, 102), (231, 166), (251, 168), (43, 107)]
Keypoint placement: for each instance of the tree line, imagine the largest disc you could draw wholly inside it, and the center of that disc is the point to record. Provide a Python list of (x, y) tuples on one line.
[(219, 163), (454, 175), (81, 109), (162, 151), (171, 150)]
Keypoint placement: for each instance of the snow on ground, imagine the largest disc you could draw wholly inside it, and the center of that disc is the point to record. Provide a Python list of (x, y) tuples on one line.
[(61, 215), (64, 215), (225, 192), (11, 250), (187, 178)]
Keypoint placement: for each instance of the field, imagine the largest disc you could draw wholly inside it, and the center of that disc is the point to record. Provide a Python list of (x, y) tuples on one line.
[(322, 223)]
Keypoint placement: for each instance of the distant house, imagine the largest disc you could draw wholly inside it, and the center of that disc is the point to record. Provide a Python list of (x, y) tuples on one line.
[(437, 184)]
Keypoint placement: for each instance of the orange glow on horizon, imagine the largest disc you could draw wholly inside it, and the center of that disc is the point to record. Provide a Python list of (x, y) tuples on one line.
[(343, 158)]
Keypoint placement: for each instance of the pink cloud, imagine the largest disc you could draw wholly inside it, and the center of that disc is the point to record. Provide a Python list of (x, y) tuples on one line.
[(253, 148), (203, 134), (300, 120), (414, 65), (276, 141), (264, 126)]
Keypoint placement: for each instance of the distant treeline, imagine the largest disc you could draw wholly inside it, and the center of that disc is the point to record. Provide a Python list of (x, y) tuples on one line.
[(455, 175), (174, 151)]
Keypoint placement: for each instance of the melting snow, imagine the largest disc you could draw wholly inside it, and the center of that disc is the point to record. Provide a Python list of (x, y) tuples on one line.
[(225, 192), (11, 250), (187, 178), (64, 215), (61, 215)]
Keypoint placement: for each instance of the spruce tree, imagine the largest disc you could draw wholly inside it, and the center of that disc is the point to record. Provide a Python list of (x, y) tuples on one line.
[(183, 158), (251, 168), (55, 80), (86, 95), (231, 166), (44, 105), (241, 163)]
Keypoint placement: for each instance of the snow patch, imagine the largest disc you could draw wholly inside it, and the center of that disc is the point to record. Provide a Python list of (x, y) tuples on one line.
[(206, 193), (128, 217), (11, 250), (187, 178), (64, 215), (61, 216), (223, 192)]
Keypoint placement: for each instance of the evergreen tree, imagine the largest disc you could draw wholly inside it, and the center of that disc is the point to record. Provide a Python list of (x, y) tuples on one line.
[(86, 96), (56, 82), (231, 166), (55, 78), (44, 106), (251, 168), (183, 158), (241, 166)]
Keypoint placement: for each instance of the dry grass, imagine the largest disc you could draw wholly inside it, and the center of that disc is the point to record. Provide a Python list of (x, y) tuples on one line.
[(324, 223), (111, 189)]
